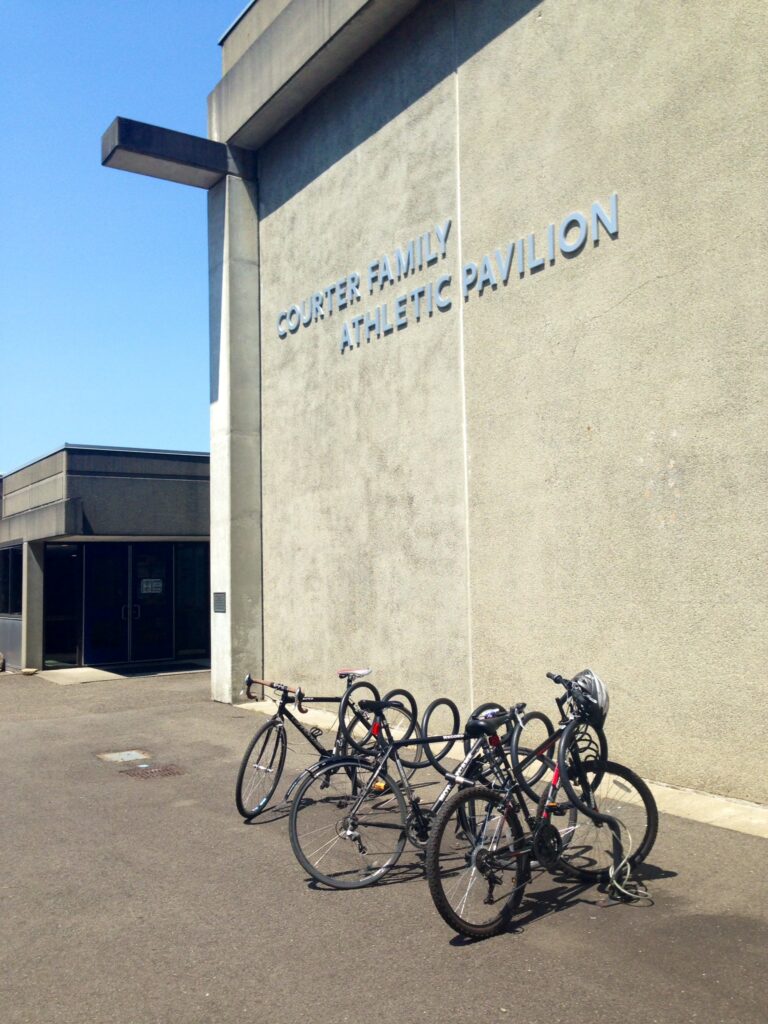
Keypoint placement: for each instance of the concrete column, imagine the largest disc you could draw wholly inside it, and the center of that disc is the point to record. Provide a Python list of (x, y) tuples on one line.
[(236, 548), (33, 553)]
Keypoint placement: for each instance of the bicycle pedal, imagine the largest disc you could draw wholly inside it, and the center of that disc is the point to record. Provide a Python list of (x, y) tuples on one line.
[(379, 786)]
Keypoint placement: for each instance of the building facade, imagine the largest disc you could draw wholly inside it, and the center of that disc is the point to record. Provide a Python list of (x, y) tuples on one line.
[(104, 559), (488, 372)]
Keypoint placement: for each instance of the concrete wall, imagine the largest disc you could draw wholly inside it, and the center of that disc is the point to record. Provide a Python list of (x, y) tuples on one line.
[(128, 506), (616, 403), (33, 559), (10, 640), (39, 484), (363, 466), (142, 493), (113, 492), (252, 23), (568, 469), (58, 519), (236, 625)]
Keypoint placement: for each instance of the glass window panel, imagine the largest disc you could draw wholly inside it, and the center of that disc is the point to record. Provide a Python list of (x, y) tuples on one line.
[(16, 572), (193, 617), (63, 604), (5, 581)]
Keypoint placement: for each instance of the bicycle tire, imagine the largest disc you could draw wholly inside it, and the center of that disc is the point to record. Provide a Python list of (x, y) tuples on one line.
[(616, 791), (269, 742), (461, 862), (435, 758), (355, 726), (405, 720), (525, 745), (354, 853)]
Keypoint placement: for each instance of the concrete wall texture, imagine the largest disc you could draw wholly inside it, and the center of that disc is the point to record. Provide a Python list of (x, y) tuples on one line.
[(566, 469)]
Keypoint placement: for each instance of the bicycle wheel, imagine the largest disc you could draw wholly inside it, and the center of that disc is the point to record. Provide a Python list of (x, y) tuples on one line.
[(402, 723), (356, 726), (527, 736), (440, 719), (347, 828), (611, 789), (260, 769), (477, 862)]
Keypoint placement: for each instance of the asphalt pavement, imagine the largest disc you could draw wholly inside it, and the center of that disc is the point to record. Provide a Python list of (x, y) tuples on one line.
[(139, 896)]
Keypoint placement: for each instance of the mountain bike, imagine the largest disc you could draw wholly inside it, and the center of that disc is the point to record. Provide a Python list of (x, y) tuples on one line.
[(485, 839), (531, 737)]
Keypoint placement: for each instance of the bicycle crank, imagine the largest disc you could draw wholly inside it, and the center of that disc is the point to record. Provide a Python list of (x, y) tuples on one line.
[(547, 845), (417, 828)]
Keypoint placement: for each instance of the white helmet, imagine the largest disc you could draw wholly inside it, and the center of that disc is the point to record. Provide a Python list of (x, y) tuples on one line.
[(591, 697)]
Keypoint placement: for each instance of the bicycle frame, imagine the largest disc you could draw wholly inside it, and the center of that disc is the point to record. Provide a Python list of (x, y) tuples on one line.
[(387, 746), (534, 822), (309, 735)]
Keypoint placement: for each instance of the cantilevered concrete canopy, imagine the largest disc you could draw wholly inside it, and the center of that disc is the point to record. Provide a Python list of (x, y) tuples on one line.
[(302, 50), (174, 156)]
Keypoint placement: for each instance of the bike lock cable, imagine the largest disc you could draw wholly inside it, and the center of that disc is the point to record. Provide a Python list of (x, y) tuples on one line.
[(614, 871)]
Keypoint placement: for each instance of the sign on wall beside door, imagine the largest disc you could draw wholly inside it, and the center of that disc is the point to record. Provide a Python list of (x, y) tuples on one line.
[(151, 586)]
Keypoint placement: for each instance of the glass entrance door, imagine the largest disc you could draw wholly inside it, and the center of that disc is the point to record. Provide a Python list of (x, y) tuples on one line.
[(106, 604), (151, 602), (127, 602)]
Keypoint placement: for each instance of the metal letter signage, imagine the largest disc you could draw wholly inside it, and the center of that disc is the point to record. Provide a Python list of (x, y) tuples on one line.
[(529, 255)]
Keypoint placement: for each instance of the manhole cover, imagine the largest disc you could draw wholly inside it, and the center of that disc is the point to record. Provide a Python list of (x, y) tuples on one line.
[(124, 755), (153, 771)]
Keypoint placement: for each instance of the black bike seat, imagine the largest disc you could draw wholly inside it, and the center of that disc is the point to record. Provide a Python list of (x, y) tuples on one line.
[(487, 726), (375, 707)]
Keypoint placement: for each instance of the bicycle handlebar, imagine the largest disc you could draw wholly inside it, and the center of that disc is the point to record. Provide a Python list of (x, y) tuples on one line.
[(280, 687), (573, 692), (560, 680)]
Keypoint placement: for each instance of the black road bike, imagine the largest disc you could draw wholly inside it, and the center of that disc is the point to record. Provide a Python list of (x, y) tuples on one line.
[(262, 765)]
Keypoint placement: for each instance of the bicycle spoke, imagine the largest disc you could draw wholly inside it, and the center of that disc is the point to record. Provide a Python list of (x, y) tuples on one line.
[(368, 833), (476, 862)]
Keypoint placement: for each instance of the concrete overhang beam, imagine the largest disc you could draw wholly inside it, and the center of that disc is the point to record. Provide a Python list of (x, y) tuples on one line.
[(174, 156), (58, 519), (307, 46)]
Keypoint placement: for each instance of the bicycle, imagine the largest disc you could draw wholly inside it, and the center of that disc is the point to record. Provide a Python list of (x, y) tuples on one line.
[(350, 820), (523, 738), (262, 765), (479, 846), (606, 803)]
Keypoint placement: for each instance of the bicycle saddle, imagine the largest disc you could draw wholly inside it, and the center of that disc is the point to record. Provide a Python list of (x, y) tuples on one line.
[(487, 726), (353, 673), (377, 706)]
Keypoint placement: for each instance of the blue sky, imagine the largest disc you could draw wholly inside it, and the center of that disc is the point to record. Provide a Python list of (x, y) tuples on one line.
[(103, 274)]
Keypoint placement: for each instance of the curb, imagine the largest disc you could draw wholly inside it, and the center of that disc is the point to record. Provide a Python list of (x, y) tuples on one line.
[(711, 809)]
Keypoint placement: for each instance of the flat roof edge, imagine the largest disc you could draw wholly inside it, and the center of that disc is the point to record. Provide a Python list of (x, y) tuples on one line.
[(236, 22), (67, 447)]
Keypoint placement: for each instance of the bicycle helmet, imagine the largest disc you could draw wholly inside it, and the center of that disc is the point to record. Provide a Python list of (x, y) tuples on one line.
[(591, 697)]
